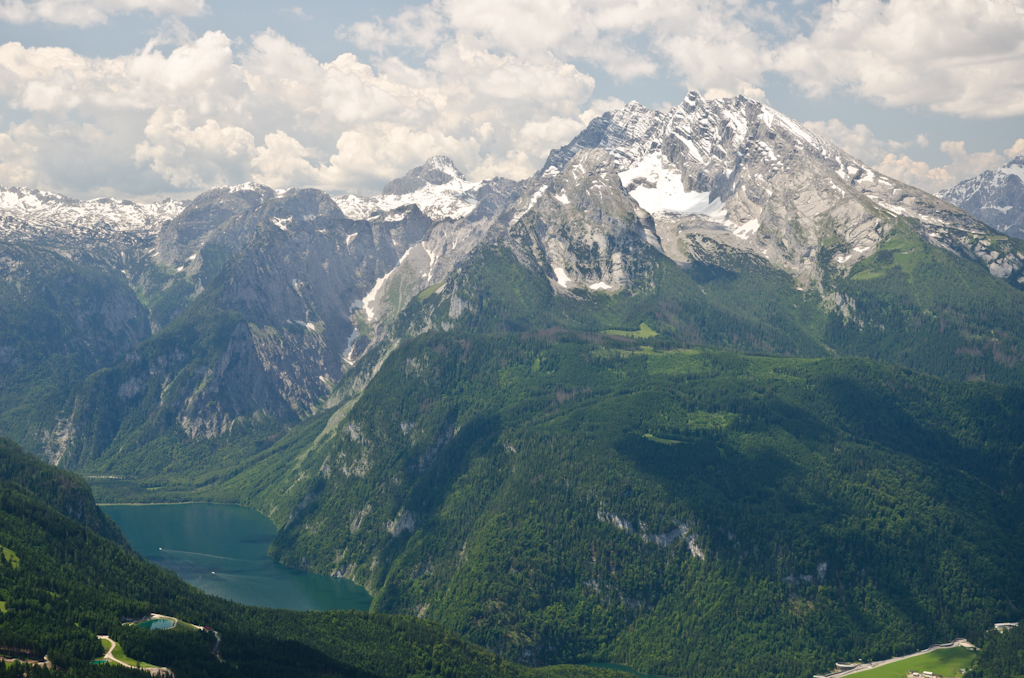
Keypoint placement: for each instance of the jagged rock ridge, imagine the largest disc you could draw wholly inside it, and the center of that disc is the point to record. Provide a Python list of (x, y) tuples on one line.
[(581, 228), (994, 196)]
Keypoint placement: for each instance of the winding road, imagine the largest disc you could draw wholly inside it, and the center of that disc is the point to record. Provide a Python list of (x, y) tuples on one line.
[(109, 656), (959, 642)]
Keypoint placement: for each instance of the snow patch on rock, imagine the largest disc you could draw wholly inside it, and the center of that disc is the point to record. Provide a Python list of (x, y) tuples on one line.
[(563, 279), (659, 187)]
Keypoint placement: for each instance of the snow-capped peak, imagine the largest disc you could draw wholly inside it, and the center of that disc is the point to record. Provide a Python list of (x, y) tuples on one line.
[(443, 164), (1015, 167), (996, 197), (740, 172), (247, 186), (437, 187), (437, 170)]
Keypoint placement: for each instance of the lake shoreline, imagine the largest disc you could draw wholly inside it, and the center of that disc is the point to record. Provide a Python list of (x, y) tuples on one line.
[(175, 503), (221, 548)]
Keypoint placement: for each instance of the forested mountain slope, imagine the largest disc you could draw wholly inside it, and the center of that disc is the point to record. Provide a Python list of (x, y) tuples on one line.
[(564, 497), (62, 584), (258, 302)]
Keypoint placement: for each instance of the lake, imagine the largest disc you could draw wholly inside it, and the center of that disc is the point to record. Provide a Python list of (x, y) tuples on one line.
[(222, 549)]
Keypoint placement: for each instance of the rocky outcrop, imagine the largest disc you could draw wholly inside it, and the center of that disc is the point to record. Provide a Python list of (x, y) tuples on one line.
[(209, 218), (581, 227)]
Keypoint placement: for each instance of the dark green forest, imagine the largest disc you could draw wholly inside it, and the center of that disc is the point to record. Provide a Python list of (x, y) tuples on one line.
[(63, 583), (1002, 655)]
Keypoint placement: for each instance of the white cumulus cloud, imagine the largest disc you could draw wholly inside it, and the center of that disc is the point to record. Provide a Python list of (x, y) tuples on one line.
[(211, 112), (964, 57), (195, 157), (705, 45), (962, 165), (859, 141), (494, 85)]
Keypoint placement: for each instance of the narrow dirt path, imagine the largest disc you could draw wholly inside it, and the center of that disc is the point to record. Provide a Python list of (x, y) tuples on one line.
[(216, 647), (109, 656)]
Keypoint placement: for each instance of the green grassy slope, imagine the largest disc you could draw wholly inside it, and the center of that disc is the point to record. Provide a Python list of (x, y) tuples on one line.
[(925, 308)]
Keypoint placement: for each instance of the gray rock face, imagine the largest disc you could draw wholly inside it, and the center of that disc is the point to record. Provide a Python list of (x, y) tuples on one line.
[(60, 320), (208, 218), (306, 284), (581, 227), (446, 242), (294, 282), (51, 307), (996, 197)]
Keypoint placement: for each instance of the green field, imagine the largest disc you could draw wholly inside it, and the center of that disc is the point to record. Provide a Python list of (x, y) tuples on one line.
[(947, 662), (645, 332), (119, 655), (430, 290), (10, 557)]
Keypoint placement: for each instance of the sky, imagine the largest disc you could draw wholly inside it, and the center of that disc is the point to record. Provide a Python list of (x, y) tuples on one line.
[(165, 98)]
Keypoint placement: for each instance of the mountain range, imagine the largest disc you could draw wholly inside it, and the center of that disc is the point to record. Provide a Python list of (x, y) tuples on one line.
[(704, 376)]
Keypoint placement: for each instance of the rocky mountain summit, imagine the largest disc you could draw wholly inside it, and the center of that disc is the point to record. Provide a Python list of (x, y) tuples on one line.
[(436, 171), (738, 173), (994, 196), (436, 187)]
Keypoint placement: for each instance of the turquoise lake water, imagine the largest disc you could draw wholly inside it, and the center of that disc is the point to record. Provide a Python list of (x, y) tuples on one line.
[(222, 549)]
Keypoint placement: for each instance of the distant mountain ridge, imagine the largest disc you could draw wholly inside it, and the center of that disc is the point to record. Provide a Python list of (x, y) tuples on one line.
[(44, 208), (994, 196)]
